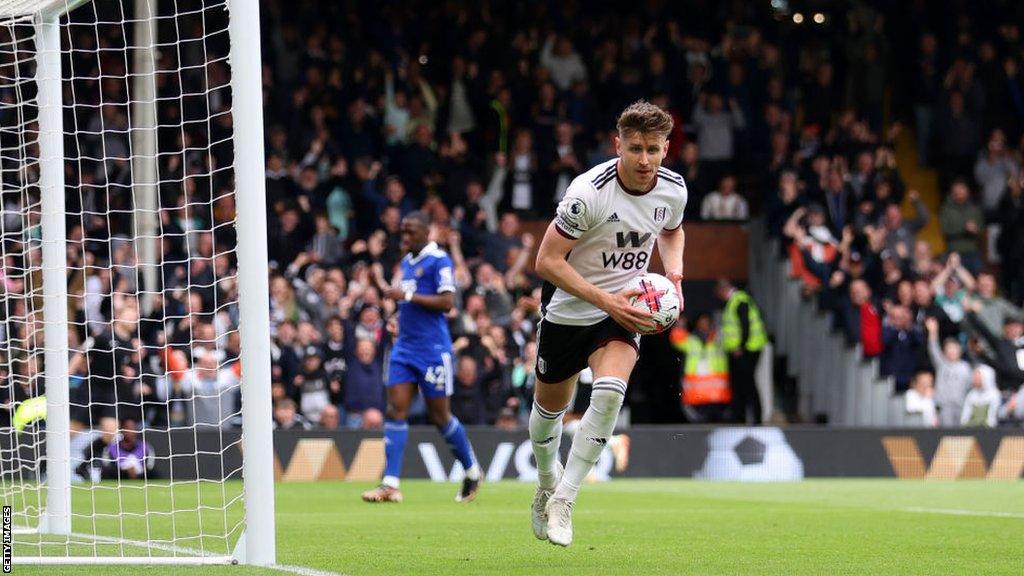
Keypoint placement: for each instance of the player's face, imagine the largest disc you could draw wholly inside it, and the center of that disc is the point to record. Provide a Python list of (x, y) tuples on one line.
[(414, 235), (641, 155)]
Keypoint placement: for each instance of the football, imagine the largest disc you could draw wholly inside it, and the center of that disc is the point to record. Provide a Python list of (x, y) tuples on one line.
[(659, 297)]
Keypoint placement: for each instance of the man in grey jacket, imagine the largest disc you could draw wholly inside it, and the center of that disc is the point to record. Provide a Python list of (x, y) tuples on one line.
[(902, 233), (1005, 352), (992, 170), (994, 310), (716, 127), (952, 375)]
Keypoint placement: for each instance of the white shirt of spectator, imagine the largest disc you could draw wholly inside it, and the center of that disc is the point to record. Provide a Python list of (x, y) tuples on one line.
[(925, 406), (817, 239), (564, 69), (522, 187), (717, 206), (212, 400), (987, 398), (615, 230), (562, 186)]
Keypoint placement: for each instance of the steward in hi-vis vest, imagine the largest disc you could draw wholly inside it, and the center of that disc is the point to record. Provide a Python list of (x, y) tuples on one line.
[(734, 336), (705, 367), (743, 338)]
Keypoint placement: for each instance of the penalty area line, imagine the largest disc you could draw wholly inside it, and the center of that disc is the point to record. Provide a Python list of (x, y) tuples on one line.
[(957, 512), (303, 571)]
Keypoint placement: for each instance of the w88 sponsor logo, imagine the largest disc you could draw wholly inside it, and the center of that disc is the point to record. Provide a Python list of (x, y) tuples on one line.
[(625, 260), (628, 260)]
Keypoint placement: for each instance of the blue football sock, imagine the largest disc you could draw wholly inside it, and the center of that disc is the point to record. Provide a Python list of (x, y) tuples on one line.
[(396, 432), (455, 435)]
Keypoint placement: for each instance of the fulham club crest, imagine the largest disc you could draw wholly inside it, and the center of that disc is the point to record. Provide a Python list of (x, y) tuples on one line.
[(661, 214)]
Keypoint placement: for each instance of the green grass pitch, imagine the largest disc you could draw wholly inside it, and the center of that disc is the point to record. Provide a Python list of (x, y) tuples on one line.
[(816, 527)]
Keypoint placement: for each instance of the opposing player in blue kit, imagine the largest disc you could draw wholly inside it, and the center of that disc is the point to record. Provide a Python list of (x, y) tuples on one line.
[(421, 357)]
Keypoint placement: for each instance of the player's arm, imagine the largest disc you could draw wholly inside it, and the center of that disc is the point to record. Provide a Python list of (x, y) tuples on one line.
[(436, 302), (671, 244), (553, 267), (443, 301), (377, 277)]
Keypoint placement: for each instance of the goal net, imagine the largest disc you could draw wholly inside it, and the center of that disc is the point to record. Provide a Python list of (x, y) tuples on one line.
[(133, 330)]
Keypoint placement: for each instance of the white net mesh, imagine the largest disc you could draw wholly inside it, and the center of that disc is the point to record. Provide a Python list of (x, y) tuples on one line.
[(153, 339)]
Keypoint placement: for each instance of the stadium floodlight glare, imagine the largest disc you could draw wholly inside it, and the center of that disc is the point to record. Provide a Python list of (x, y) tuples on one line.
[(819, 18), (798, 18), (124, 117)]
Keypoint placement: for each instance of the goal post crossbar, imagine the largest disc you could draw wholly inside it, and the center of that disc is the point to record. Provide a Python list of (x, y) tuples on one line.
[(45, 9)]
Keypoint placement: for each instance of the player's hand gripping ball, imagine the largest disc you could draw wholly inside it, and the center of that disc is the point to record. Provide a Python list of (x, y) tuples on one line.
[(657, 296)]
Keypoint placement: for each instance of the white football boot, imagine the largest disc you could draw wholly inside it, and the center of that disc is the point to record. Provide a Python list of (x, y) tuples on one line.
[(538, 512), (559, 513)]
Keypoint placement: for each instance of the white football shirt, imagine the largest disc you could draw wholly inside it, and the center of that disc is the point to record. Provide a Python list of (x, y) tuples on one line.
[(615, 229)]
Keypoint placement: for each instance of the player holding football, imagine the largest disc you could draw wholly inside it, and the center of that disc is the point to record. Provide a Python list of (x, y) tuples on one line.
[(601, 238), (421, 357)]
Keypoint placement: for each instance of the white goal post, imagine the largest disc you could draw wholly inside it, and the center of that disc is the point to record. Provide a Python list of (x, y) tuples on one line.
[(156, 145)]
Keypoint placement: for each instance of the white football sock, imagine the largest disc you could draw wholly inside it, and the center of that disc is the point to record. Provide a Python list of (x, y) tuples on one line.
[(546, 436), (596, 427)]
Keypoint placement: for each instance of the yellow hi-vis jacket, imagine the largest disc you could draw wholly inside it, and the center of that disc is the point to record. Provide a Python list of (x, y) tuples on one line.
[(731, 334), (706, 371)]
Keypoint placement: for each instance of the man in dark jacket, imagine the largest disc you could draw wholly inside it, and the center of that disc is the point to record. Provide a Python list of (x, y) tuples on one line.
[(1011, 239), (962, 224), (958, 135), (1007, 356), (901, 342), (743, 338), (468, 400), (562, 159), (364, 384)]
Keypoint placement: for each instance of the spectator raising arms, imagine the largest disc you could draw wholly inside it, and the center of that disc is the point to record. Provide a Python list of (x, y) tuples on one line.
[(953, 375)]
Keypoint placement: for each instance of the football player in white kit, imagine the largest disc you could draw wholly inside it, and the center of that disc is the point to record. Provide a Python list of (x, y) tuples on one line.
[(602, 237)]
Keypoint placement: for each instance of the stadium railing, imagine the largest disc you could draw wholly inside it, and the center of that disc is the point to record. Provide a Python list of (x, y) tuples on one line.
[(835, 380)]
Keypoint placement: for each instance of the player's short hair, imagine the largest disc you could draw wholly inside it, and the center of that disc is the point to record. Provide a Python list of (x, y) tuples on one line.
[(418, 216), (645, 118)]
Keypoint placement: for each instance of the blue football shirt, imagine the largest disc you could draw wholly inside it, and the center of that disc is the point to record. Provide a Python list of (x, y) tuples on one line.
[(420, 329)]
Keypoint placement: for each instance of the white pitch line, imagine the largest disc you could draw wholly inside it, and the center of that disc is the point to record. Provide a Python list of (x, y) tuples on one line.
[(956, 512), (301, 570)]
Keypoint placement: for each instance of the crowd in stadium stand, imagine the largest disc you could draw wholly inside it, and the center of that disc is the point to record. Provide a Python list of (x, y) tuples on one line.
[(481, 137), (482, 115), (948, 327)]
